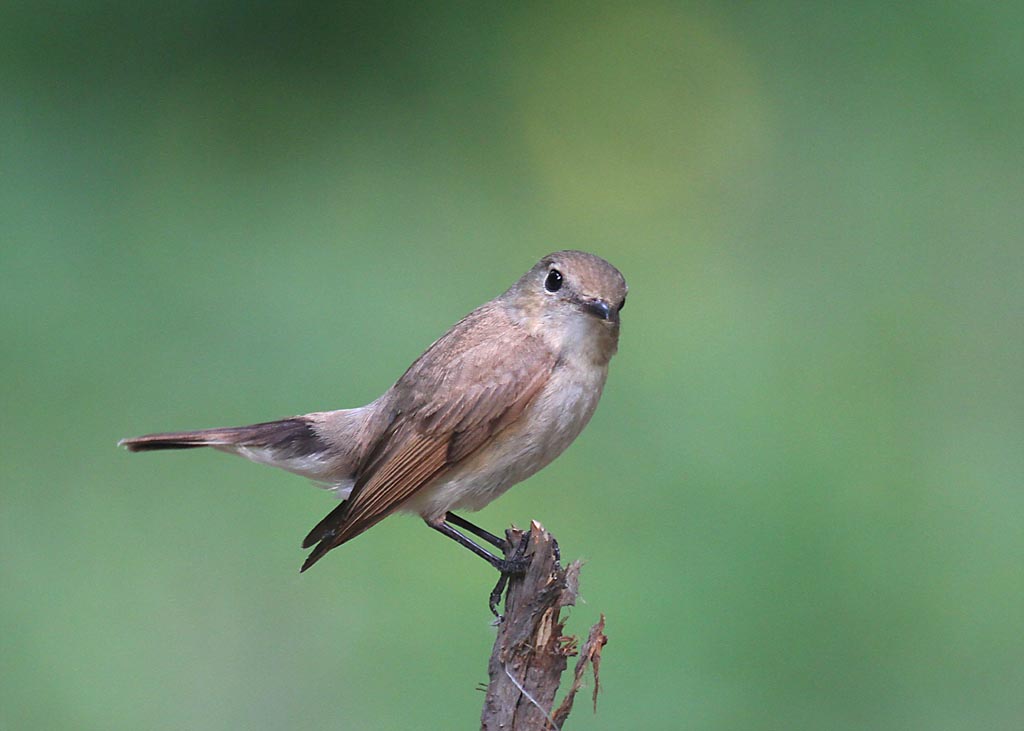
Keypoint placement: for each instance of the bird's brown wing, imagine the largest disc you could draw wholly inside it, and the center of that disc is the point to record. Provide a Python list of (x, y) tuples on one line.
[(466, 388)]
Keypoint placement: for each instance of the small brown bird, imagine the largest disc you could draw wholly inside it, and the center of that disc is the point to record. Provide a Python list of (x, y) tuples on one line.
[(490, 403)]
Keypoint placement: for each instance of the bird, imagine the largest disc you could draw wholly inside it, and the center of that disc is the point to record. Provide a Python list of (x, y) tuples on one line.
[(495, 399)]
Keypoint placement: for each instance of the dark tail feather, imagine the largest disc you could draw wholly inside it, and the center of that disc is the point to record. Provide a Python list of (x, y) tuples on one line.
[(291, 437), (173, 440)]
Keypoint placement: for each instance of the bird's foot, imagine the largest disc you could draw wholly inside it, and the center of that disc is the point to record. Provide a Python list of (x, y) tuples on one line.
[(513, 565)]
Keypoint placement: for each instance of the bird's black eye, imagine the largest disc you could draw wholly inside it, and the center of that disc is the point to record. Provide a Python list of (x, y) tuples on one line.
[(554, 281), (621, 305)]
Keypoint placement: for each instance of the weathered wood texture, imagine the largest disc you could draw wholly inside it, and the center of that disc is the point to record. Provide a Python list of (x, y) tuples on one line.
[(530, 652)]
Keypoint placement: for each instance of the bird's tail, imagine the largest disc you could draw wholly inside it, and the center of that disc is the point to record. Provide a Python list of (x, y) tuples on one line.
[(288, 437)]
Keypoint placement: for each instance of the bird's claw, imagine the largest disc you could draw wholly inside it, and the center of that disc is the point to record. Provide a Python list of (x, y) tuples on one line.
[(514, 565)]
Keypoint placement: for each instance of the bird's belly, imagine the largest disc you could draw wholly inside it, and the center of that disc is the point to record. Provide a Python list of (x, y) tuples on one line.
[(545, 429)]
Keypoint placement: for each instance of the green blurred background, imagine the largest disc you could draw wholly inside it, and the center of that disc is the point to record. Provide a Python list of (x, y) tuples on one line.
[(800, 501)]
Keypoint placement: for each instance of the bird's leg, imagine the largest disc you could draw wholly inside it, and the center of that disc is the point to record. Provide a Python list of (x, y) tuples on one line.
[(515, 564), (499, 543), (442, 527), (511, 566)]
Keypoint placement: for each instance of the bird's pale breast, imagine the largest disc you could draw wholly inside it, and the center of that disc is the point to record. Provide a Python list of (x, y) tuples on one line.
[(555, 417)]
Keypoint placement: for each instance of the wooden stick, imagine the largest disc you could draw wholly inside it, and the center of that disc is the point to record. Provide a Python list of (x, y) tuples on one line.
[(530, 652)]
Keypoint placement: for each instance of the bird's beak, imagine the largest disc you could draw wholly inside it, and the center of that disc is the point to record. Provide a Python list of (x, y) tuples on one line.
[(602, 309)]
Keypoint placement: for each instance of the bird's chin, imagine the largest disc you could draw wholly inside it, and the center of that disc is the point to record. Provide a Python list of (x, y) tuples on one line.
[(604, 339), (605, 324)]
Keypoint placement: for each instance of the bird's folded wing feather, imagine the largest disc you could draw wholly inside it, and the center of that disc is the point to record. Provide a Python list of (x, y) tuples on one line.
[(445, 412)]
